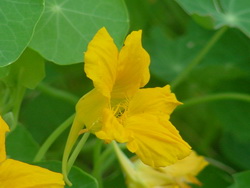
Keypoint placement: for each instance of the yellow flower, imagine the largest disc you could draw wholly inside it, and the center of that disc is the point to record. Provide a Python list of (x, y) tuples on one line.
[(118, 109), (177, 175), (16, 174)]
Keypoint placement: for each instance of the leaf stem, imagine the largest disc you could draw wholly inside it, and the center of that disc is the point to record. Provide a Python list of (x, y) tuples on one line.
[(97, 171), (97, 150), (51, 139), (220, 165), (199, 57), (126, 164), (20, 91), (67, 164), (77, 150), (68, 97), (97, 158), (215, 97)]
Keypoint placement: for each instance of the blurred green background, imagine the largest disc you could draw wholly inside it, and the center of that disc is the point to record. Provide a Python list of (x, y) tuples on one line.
[(200, 48)]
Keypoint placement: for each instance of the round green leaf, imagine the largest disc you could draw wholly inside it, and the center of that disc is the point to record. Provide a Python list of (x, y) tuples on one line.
[(66, 27), (170, 57), (17, 22), (224, 12)]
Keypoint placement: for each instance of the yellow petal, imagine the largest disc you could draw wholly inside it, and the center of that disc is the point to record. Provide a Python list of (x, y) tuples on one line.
[(89, 110), (156, 101), (156, 142), (112, 129), (88, 113), (101, 62), (133, 67), (16, 174), (188, 167), (3, 129), (149, 177), (179, 174)]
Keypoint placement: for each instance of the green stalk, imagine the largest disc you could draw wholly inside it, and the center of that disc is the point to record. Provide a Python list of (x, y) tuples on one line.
[(199, 57), (220, 165), (20, 91), (68, 97), (97, 171), (77, 150), (99, 167), (101, 159), (97, 159), (126, 164), (215, 97), (51, 139), (67, 164), (97, 150)]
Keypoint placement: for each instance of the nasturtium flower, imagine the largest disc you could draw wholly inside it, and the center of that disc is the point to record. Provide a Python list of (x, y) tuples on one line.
[(178, 175), (16, 174), (118, 108)]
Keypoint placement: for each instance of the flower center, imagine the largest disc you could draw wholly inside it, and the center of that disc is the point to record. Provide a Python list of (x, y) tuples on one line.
[(119, 110)]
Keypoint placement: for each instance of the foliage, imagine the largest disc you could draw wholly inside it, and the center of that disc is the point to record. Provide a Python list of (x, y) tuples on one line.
[(200, 48)]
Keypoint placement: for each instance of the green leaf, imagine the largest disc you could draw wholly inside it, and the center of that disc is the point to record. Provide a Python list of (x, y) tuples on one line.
[(235, 118), (213, 177), (170, 57), (4, 71), (242, 180), (240, 114), (21, 145), (224, 12), (45, 113), (205, 21), (66, 27), (235, 150), (78, 177), (28, 70), (17, 22), (115, 178), (228, 59), (138, 17)]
